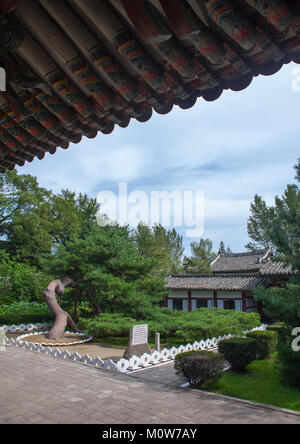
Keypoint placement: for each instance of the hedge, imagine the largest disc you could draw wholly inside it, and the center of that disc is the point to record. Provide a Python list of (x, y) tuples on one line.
[(239, 352), (199, 367), (24, 313), (279, 328), (183, 326), (267, 342)]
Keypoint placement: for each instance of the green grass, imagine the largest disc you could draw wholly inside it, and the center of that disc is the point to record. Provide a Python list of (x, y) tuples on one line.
[(260, 384)]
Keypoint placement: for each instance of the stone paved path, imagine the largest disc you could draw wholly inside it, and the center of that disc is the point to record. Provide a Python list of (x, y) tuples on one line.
[(41, 389)]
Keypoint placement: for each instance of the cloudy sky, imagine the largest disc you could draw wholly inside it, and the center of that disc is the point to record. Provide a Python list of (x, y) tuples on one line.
[(242, 144)]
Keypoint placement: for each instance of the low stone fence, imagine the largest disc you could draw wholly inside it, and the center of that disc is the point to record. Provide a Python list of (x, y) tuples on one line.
[(123, 365), (25, 327)]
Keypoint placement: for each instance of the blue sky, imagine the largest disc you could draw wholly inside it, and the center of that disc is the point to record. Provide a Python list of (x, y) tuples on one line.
[(244, 143)]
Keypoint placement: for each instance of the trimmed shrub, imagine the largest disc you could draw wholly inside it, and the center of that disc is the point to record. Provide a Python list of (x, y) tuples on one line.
[(178, 327), (199, 367), (239, 352), (267, 342), (288, 360), (25, 313), (279, 328)]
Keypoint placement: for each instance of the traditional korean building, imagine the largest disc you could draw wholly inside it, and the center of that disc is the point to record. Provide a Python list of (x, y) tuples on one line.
[(73, 68), (230, 285)]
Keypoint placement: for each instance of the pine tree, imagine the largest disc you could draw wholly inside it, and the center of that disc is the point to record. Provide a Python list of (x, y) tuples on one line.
[(202, 257), (279, 227)]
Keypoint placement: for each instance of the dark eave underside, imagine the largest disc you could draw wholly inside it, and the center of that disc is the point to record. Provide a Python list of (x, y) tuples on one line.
[(77, 67)]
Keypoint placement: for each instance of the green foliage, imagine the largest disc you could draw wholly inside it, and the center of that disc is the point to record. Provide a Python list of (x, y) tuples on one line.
[(23, 229), (223, 250), (288, 360), (278, 226), (284, 304), (20, 281), (117, 325), (175, 326), (34, 221), (267, 342), (207, 323), (164, 246), (281, 303), (199, 367), (202, 257), (262, 384), (239, 352), (107, 325), (113, 273), (24, 313), (278, 328), (297, 168)]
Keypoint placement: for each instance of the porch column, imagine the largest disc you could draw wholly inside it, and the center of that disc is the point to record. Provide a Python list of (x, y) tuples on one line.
[(166, 301), (215, 299), (190, 300), (244, 308)]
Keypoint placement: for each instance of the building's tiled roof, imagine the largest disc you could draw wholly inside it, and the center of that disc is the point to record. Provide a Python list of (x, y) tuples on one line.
[(240, 262), (217, 282), (272, 268), (78, 67)]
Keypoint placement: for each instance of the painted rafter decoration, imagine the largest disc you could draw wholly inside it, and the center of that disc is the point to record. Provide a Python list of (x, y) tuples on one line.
[(146, 21), (78, 67)]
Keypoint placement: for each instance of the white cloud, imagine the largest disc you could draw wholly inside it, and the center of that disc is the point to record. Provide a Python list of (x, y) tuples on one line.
[(242, 144)]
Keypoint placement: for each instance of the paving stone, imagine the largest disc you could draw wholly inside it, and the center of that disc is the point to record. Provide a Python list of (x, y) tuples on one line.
[(40, 389)]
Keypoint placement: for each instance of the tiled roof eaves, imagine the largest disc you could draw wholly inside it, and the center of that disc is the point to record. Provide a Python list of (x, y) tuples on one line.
[(216, 282), (277, 269), (78, 68)]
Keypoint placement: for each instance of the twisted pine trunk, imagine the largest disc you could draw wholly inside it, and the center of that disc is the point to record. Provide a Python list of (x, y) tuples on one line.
[(62, 318)]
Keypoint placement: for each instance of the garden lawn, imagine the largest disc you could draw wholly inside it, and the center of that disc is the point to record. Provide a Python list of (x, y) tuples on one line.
[(260, 384)]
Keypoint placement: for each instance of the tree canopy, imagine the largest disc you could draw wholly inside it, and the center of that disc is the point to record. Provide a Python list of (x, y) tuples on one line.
[(34, 221), (201, 258), (162, 245), (112, 274), (278, 227)]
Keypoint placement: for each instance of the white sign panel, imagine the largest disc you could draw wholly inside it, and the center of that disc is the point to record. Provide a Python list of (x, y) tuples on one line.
[(139, 334), (2, 339)]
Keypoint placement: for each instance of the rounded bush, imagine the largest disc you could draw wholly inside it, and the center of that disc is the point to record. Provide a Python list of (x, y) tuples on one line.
[(199, 367), (267, 342), (279, 328), (239, 352)]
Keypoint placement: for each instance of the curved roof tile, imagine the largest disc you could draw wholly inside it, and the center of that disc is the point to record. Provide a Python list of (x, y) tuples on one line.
[(76, 68), (216, 282)]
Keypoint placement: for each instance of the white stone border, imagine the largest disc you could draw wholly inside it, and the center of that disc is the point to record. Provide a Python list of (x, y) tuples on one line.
[(25, 327), (123, 365), (48, 344)]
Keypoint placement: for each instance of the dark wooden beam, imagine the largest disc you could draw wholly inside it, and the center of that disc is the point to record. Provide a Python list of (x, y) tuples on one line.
[(8, 5)]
